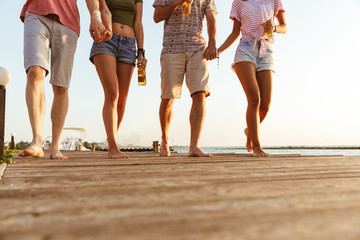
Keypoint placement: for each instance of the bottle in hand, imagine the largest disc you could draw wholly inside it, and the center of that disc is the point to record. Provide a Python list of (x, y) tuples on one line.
[(141, 71), (187, 8), (266, 21)]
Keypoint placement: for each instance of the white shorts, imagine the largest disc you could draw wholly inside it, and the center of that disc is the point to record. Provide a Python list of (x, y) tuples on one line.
[(42, 33), (173, 68)]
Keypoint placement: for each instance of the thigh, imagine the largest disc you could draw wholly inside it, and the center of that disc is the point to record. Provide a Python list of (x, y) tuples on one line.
[(124, 74), (246, 73), (197, 73), (36, 42), (264, 79), (106, 68), (63, 47), (172, 75)]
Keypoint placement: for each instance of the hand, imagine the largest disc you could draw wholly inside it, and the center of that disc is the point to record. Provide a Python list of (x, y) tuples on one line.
[(107, 35), (142, 63), (96, 29), (269, 25), (210, 53)]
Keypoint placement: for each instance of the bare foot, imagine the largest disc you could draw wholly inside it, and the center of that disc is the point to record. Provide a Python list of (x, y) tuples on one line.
[(116, 154), (165, 150), (197, 152), (32, 151), (258, 152), (249, 145), (56, 154)]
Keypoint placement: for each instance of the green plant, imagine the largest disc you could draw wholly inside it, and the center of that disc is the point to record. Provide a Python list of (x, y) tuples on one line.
[(7, 157)]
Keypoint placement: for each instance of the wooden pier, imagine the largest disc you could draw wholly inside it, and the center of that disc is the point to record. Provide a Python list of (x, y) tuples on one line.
[(228, 196)]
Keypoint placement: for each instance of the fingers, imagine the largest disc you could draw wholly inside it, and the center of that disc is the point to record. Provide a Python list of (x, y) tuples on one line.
[(210, 54), (142, 63)]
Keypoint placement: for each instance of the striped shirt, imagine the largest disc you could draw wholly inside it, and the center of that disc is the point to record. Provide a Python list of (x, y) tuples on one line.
[(248, 13), (183, 33)]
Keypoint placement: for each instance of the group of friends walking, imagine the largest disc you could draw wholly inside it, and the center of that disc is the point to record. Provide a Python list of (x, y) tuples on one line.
[(52, 28)]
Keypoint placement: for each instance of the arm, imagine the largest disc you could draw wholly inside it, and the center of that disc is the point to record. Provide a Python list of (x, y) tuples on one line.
[(162, 13), (210, 51), (106, 20), (139, 31), (232, 37), (96, 27), (282, 27)]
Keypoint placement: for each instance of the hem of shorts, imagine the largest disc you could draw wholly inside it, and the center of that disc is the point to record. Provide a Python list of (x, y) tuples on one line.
[(168, 98), (232, 65), (128, 62), (35, 65), (207, 93), (59, 85), (266, 69), (91, 58)]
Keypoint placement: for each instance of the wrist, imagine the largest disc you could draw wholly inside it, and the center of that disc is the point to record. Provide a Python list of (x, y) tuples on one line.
[(141, 51), (274, 28)]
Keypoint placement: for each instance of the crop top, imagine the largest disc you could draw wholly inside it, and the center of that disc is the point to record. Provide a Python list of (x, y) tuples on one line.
[(123, 11)]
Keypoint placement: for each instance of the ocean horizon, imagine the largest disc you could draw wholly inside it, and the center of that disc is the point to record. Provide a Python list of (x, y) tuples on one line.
[(278, 150)]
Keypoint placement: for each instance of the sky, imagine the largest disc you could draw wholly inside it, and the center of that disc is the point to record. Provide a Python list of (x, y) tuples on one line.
[(315, 89)]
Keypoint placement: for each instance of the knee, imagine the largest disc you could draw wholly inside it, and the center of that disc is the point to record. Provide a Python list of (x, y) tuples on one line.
[(264, 109), (166, 103), (111, 96), (254, 102), (121, 104), (60, 91), (35, 74), (198, 96)]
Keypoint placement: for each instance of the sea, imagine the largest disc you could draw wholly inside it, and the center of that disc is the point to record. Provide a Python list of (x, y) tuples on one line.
[(306, 151)]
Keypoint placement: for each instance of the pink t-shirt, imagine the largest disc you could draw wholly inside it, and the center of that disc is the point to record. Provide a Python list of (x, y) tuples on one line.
[(67, 11), (248, 13)]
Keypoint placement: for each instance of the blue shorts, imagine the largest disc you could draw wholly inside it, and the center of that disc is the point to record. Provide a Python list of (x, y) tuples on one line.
[(247, 52), (121, 47)]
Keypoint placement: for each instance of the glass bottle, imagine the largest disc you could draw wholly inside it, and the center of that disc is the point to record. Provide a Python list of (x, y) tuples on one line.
[(141, 71)]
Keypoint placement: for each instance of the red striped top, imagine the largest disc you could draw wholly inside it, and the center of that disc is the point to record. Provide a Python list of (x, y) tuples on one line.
[(248, 13)]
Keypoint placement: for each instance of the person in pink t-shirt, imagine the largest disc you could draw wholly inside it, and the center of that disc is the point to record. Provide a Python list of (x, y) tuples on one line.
[(51, 27), (253, 63)]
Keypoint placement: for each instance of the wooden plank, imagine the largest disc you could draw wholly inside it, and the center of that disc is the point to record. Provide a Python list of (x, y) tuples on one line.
[(150, 197)]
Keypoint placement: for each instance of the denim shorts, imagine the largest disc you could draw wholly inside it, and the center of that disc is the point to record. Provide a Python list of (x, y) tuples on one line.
[(261, 57), (121, 47)]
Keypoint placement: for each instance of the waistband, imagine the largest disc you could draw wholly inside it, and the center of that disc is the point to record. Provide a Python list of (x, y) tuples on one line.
[(261, 40), (124, 38)]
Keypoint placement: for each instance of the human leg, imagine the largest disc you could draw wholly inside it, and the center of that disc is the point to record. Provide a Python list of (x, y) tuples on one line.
[(36, 63), (172, 77), (165, 115), (58, 114), (197, 80), (106, 67), (124, 74), (247, 75), (264, 79), (63, 47), (35, 100), (197, 115)]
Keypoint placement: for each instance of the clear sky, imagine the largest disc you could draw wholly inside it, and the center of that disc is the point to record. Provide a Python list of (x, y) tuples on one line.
[(315, 92)]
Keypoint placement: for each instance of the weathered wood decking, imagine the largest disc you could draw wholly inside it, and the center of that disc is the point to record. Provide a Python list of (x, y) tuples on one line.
[(148, 197)]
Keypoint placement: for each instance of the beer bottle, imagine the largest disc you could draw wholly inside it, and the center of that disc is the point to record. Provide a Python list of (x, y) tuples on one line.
[(187, 8), (141, 71)]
